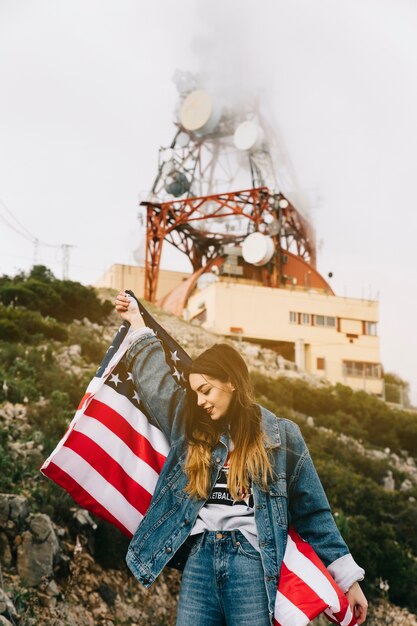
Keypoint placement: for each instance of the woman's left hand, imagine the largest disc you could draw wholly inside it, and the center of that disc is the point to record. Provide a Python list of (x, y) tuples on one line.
[(357, 602), (128, 309)]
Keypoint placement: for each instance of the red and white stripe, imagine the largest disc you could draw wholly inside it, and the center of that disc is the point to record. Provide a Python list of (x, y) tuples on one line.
[(109, 461), (306, 588), (110, 458)]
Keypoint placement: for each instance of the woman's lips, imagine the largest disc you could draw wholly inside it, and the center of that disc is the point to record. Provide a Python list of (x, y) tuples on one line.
[(210, 410)]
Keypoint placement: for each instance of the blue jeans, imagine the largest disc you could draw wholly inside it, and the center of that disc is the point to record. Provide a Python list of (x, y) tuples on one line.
[(223, 583)]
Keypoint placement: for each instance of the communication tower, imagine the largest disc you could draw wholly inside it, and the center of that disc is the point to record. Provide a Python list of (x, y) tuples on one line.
[(216, 199)]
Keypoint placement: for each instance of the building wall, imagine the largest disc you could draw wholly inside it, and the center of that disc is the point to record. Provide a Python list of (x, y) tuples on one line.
[(120, 277), (262, 313)]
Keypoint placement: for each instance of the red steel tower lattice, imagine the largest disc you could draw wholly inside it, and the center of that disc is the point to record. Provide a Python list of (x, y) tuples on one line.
[(191, 207)]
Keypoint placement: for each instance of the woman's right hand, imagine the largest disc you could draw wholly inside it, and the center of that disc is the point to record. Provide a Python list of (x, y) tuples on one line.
[(128, 309)]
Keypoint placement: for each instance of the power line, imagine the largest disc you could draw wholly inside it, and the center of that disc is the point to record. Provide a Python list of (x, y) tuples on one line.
[(21, 230), (28, 233)]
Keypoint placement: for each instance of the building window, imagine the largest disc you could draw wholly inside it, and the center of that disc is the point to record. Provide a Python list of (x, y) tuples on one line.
[(370, 329), (361, 369), (293, 317), (325, 320), (320, 363), (306, 319)]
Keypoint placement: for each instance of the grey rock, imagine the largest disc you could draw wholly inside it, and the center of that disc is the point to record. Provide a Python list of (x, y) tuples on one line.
[(84, 518), (37, 551), (6, 557), (14, 508), (6, 605), (251, 350), (74, 351), (52, 589), (406, 485), (4, 621), (389, 482), (41, 527), (4, 509)]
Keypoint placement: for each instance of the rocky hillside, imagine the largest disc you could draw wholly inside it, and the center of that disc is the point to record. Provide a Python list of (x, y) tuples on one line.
[(56, 565)]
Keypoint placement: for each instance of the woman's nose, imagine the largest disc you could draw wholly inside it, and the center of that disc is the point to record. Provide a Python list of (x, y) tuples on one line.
[(200, 400)]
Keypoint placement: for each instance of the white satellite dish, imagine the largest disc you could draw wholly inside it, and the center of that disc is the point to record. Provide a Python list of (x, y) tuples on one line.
[(182, 140), (206, 279), (258, 249), (198, 113), (248, 136)]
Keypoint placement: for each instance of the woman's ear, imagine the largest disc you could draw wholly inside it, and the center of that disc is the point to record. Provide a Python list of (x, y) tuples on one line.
[(231, 386)]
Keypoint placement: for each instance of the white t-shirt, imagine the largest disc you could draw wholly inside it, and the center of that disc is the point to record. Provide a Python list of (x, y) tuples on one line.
[(221, 512)]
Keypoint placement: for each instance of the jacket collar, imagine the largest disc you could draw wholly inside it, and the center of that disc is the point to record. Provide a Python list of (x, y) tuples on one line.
[(269, 426)]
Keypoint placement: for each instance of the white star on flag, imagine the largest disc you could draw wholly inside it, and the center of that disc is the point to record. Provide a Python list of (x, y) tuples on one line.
[(174, 356), (129, 376), (176, 373), (115, 379), (136, 397)]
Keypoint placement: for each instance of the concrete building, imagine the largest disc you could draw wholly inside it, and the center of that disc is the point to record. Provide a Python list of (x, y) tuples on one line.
[(319, 332), (120, 276)]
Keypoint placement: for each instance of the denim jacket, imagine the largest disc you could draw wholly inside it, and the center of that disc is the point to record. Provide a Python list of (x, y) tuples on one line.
[(295, 494)]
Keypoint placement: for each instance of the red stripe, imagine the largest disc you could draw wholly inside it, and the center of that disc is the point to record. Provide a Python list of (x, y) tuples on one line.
[(81, 496), (300, 594), (115, 422), (307, 550), (336, 618), (310, 554), (110, 469), (84, 399)]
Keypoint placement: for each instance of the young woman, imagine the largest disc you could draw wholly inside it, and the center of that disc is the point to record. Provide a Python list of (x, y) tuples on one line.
[(235, 478)]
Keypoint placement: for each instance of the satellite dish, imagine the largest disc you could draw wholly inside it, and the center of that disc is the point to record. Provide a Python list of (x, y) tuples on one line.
[(258, 249), (248, 136), (198, 113), (182, 140), (206, 279), (176, 184)]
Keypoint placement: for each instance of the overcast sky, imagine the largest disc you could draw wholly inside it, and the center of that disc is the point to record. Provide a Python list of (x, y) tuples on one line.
[(87, 98)]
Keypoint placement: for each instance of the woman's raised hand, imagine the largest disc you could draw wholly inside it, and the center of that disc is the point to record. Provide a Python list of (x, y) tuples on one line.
[(128, 309)]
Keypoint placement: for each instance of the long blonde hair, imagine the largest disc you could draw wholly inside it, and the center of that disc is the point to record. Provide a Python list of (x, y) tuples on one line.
[(249, 457)]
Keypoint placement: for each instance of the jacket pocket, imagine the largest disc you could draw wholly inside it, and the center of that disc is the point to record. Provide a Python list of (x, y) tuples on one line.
[(279, 501)]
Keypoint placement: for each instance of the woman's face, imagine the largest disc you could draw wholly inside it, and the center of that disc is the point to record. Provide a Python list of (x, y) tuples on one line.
[(212, 395)]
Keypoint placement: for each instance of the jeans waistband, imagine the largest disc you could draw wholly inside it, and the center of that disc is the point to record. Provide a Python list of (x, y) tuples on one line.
[(218, 536)]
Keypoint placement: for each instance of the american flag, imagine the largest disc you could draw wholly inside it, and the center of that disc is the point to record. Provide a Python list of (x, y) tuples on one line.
[(111, 456)]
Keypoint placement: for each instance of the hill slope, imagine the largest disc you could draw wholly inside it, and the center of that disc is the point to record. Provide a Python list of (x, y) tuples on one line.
[(357, 442)]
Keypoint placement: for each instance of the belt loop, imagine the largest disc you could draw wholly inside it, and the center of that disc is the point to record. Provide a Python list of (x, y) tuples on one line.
[(233, 534)]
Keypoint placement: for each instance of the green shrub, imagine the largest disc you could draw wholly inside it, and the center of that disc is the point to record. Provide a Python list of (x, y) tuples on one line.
[(93, 346), (51, 417), (21, 325), (63, 300), (11, 470), (357, 414)]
